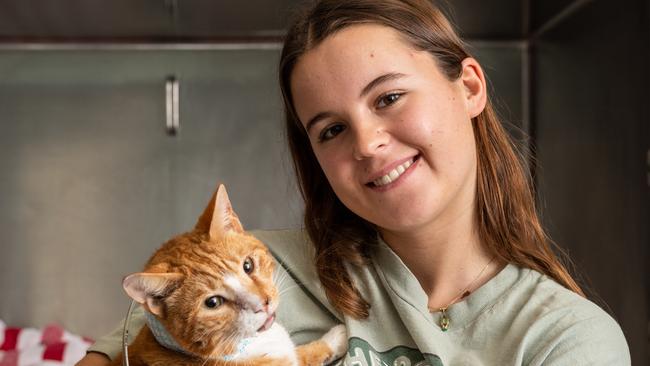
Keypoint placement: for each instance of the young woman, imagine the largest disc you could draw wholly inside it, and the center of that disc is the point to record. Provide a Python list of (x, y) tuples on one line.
[(421, 229)]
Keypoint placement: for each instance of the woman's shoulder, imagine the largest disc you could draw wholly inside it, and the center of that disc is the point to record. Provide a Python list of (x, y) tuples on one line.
[(549, 297), (292, 251), (567, 327), (288, 246)]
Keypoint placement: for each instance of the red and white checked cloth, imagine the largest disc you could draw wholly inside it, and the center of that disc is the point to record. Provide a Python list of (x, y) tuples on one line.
[(49, 346)]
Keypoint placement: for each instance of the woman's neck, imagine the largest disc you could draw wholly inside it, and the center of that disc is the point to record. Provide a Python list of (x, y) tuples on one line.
[(444, 258)]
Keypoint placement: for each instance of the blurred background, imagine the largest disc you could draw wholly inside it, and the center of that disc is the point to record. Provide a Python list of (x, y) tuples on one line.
[(119, 118)]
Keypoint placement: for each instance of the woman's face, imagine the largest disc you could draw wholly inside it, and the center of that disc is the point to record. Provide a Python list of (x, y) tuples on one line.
[(393, 136)]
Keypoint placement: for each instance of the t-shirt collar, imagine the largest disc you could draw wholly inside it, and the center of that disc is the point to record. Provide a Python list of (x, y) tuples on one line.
[(400, 280)]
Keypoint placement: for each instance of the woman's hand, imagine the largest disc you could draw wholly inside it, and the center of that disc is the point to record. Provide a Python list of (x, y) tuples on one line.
[(94, 359)]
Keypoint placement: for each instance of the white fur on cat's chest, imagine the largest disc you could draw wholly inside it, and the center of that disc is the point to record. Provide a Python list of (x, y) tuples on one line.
[(274, 342)]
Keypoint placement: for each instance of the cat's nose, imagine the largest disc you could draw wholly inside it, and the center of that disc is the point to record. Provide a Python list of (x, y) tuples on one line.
[(264, 306)]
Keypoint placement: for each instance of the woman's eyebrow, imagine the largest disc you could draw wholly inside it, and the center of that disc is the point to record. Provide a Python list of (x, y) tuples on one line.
[(316, 118), (381, 79)]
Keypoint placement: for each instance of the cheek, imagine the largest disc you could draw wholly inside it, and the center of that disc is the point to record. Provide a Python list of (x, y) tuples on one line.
[(225, 319), (437, 126), (335, 166), (420, 115)]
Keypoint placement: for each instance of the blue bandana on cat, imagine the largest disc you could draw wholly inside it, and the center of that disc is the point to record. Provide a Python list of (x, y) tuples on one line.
[(166, 340)]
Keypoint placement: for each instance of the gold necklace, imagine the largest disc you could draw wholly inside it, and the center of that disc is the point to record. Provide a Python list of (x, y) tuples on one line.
[(444, 319)]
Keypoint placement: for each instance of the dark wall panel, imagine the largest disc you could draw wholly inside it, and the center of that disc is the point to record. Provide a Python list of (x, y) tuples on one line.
[(542, 12), (174, 20), (592, 132), (503, 65)]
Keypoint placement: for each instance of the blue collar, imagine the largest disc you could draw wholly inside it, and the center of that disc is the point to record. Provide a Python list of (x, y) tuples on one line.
[(162, 335), (166, 340)]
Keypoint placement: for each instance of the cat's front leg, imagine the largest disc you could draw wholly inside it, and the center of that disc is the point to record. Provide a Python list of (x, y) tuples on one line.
[(261, 361), (328, 348)]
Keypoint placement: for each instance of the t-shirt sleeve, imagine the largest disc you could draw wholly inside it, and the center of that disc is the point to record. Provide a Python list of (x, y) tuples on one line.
[(594, 341), (111, 343)]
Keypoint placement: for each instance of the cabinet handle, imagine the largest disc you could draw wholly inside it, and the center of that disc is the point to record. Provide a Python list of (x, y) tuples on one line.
[(172, 105)]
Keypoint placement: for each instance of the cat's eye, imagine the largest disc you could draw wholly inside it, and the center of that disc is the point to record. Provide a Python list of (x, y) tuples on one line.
[(213, 302), (248, 265)]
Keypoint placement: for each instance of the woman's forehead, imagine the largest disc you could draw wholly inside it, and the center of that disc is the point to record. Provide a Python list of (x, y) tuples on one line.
[(346, 62), (351, 57), (353, 50)]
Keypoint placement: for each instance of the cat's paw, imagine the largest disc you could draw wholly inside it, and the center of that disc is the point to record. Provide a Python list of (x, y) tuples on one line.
[(337, 340)]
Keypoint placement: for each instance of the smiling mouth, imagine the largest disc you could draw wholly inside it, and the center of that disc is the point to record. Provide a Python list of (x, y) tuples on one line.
[(394, 174)]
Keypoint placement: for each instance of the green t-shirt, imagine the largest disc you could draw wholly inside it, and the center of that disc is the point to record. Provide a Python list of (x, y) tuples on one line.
[(519, 317)]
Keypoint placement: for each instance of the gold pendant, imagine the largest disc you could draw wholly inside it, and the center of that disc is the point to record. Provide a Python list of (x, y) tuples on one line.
[(444, 320)]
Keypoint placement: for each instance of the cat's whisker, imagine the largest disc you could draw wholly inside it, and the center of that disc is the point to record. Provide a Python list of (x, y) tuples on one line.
[(206, 359), (283, 278), (278, 284), (231, 340), (286, 289), (203, 335), (199, 337), (279, 277), (212, 356)]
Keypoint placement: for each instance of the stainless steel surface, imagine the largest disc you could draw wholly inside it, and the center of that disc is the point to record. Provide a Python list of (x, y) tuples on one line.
[(91, 184)]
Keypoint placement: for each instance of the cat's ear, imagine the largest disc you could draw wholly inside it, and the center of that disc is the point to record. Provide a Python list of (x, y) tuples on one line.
[(149, 289), (219, 217)]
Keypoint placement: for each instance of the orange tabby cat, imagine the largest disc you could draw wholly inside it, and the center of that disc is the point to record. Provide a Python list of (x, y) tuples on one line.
[(209, 299)]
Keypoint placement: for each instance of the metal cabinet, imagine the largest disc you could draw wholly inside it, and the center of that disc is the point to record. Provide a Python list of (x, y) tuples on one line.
[(91, 182)]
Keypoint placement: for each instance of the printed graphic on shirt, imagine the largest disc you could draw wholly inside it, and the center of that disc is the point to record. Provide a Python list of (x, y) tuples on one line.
[(360, 353)]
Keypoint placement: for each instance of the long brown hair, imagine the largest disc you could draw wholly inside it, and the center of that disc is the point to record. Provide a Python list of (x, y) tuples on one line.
[(508, 223)]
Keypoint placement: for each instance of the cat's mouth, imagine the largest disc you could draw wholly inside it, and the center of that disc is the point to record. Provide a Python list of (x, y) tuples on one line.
[(268, 323)]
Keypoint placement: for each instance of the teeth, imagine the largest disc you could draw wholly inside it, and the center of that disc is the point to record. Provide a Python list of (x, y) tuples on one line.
[(393, 174)]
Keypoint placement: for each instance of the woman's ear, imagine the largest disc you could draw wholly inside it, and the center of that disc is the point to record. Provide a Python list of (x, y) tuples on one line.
[(474, 86)]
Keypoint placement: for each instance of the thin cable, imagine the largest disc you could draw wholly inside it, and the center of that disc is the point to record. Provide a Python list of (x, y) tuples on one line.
[(125, 335)]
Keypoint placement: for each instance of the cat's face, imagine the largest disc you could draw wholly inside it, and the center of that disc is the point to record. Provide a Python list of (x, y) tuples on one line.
[(210, 287), (227, 293)]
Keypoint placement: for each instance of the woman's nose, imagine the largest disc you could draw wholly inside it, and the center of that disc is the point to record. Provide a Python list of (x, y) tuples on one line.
[(369, 140)]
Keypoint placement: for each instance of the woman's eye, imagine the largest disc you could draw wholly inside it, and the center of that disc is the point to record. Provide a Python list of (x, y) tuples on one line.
[(388, 99), (330, 132), (248, 265), (213, 302)]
